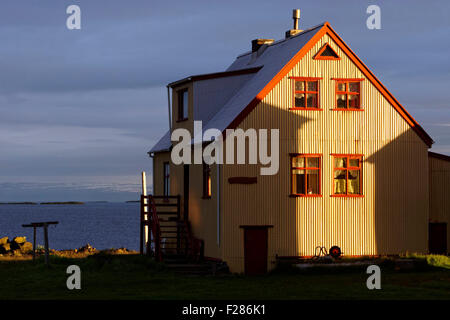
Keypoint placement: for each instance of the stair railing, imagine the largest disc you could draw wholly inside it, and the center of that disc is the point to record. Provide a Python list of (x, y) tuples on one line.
[(195, 247), (155, 227), (152, 222)]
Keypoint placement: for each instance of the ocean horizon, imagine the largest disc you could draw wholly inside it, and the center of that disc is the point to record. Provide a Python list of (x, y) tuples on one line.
[(103, 225)]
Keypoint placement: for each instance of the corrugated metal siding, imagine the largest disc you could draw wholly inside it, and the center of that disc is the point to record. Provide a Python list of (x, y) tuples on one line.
[(203, 212), (440, 192), (391, 218)]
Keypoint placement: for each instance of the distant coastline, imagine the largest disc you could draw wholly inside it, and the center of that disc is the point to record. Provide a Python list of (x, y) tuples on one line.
[(15, 203), (132, 201), (64, 202), (57, 202)]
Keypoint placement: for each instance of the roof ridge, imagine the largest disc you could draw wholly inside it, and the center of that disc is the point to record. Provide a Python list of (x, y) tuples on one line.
[(286, 39), (213, 75), (440, 156)]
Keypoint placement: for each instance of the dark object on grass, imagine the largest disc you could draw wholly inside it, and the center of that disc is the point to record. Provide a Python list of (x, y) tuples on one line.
[(335, 252), (44, 225), (321, 255)]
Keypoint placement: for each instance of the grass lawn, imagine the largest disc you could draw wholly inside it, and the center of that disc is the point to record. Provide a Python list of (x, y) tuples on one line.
[(137, 277)]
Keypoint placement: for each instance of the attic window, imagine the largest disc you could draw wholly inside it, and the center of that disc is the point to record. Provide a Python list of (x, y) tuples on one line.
[(326, 53), (306, 94), (348, 94)]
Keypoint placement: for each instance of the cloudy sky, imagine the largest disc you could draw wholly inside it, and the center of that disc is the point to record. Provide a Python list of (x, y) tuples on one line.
[(79, 109)]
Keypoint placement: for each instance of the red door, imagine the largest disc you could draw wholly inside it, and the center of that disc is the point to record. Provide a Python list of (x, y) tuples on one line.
[(437, 235), (255, 250)]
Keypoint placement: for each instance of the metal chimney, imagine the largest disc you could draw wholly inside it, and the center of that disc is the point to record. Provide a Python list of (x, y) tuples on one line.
[(296, 17), (258, 43)]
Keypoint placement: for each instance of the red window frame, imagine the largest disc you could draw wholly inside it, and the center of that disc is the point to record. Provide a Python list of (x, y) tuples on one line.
[(319, 169), (206, 181), (305, 92), (347, 92), (347, 169)]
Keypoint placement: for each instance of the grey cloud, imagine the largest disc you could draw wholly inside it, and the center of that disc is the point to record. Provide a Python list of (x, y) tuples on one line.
[(91, 102)]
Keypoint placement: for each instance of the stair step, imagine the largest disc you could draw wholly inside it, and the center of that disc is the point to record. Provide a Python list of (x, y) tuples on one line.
[(166, 205), (175, 256), (169, 241), (166, 226)]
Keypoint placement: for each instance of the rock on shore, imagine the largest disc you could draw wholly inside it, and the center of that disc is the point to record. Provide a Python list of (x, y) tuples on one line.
[(21, 248), (17, 246)]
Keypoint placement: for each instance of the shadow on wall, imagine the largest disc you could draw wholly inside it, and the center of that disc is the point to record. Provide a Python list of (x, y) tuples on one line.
[(401, 195), (395, 203), (267, 202)]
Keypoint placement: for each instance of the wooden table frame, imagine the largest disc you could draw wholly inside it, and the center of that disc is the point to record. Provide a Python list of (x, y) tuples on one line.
[(44, 225)]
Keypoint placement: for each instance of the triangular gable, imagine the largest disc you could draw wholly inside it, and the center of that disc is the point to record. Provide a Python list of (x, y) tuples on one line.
[(326, 29), (326, 53), (274, 59)]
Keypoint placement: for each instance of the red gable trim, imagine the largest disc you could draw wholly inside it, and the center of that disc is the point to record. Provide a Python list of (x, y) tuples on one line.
[(377, 83), (326, 29), (272, 83)]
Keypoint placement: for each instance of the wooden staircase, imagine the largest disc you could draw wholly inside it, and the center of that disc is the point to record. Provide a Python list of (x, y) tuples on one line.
[(170, 234)]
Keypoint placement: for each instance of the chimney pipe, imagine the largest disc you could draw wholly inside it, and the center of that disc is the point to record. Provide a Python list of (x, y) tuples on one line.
[(296, 16), (296, 30)]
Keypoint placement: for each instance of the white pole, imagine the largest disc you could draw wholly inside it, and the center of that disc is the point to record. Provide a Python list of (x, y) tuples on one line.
[(144, 192)]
